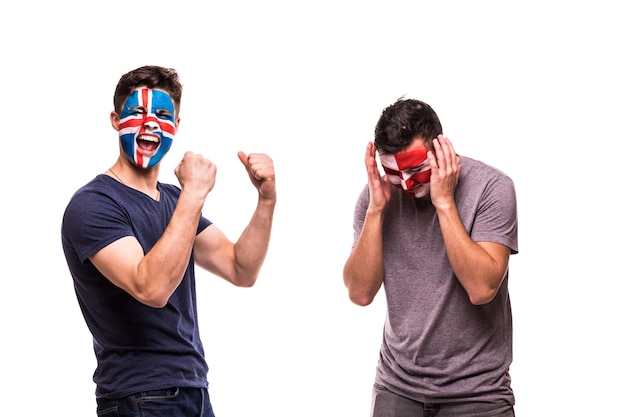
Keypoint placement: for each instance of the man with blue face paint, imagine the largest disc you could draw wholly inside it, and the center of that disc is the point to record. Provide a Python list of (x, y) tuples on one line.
[(132, 243), (147, 126)]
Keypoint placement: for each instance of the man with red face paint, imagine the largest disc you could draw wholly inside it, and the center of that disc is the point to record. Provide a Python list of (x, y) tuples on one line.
[(436, 231), (132, 243)]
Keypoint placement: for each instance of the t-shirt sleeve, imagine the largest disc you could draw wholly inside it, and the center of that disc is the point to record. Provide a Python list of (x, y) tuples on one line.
[(360, 210), (496, 218), (92, 221)]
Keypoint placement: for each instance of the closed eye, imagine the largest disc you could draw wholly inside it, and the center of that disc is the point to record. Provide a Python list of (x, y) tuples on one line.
[(415, 170), (137, 110), (164, 114)]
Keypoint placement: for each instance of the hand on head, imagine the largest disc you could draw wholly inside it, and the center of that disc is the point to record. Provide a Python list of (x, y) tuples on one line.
[(445, 171), (380, 187)]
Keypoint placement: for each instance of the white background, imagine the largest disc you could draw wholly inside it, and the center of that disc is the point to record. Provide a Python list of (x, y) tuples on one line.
[(535, 88)]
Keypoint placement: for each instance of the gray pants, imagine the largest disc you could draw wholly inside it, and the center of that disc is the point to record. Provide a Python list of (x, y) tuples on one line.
[(387, 404)]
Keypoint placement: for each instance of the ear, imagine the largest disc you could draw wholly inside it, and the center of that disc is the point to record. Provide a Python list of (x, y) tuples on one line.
[(115, 120), (176, 125)]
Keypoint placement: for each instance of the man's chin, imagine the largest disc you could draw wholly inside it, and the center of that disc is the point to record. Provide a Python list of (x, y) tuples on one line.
[(418, 192), (146, 155), (146, 160)]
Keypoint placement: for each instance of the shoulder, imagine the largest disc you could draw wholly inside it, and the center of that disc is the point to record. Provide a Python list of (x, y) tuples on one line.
[(477, 165), (363, 197), (484, 189), (488, 203), (475, 171), (100, 199), (94, 190)]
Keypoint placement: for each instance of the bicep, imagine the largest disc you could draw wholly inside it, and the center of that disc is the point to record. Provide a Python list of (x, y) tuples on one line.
[(118, 262), (214, 252)]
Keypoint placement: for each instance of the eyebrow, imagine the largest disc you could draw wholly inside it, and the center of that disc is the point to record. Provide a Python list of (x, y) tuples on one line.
[(391, 171), (413, 168), (158, 111), (416, 166)]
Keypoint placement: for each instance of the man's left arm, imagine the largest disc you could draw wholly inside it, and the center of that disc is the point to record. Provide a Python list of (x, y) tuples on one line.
[(240, 263), (479, 266)]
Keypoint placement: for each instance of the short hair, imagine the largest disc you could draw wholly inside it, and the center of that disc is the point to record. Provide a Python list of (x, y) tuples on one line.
[(404, 121), (150, 76)]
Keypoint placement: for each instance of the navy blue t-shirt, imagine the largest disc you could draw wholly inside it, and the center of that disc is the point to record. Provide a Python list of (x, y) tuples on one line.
[(137, 347)]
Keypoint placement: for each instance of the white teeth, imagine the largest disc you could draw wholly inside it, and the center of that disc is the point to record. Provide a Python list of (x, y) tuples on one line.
[(148, 138)]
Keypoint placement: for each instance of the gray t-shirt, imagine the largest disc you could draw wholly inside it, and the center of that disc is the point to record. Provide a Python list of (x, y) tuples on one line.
[(438, 347)]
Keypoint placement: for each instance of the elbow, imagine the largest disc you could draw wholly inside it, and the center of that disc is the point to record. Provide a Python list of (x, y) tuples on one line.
[(360, 296), (481, 299), (361, 299), (243, 280), (484, 289), (158, 304), (483, 295), (155, 300), (155, 296), (246, 283), (363, 279)]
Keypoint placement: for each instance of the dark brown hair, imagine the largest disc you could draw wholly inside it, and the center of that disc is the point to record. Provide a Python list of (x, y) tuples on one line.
[(402, 122), (150, 76)]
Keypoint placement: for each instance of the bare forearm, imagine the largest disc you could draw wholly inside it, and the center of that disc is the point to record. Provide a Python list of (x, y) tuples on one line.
[(474, 267), (251, 247), (363, 272), (161, 270)]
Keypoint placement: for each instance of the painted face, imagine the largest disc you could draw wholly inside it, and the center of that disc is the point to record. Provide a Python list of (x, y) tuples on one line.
[(409, 171), (147, 126)]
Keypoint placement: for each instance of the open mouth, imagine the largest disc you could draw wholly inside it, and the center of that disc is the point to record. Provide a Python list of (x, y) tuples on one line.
[(148, 143)]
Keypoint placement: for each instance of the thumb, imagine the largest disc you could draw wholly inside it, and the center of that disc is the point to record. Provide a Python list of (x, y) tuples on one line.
[(243, 158)]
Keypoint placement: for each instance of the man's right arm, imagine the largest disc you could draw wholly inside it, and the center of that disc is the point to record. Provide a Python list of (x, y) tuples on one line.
[(151, 278), (363, 271)]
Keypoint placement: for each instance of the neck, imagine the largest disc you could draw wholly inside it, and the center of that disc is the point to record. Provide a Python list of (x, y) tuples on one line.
[(140, 179)]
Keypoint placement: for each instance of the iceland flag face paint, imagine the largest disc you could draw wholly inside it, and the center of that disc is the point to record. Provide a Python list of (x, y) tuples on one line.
[(147, 126)]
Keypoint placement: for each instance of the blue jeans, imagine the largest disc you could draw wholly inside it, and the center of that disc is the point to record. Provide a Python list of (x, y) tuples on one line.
[(172, 402), (387, 404)]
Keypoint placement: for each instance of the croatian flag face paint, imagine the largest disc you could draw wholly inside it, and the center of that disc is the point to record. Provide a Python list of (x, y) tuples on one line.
[(409, 171), (147, 126)]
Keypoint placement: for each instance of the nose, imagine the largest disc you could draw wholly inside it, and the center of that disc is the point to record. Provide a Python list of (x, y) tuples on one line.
[(408, 183), (151, 125)]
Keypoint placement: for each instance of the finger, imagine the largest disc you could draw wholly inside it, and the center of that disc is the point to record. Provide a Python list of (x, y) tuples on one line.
[(435, 155), (243, 158), (444, 154), (450, 147), (450, 155), (373, 173), (368, 152), (445, 149), (262, 166), (247, 162), (188, 155), (432, 161), (263, 173)]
